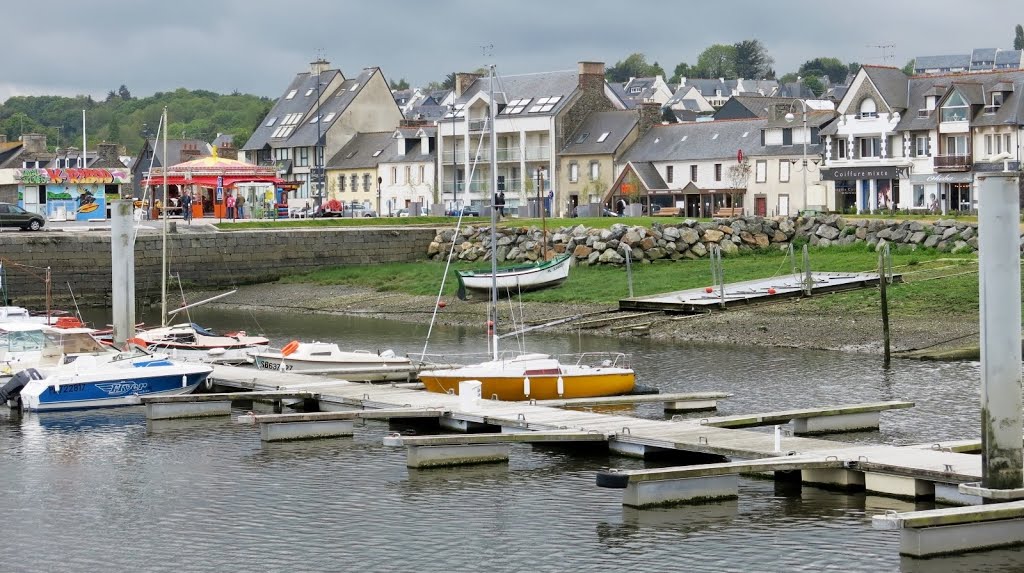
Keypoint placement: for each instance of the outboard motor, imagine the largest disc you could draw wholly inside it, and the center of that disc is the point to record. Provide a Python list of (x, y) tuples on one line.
[(13, 387)]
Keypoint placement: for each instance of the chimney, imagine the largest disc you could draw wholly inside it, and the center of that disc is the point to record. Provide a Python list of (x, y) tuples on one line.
[(591, 76), (34, 142), (463, 80), (106, 153), (228, 150), (188, 152), (318, 66), (650, 115)]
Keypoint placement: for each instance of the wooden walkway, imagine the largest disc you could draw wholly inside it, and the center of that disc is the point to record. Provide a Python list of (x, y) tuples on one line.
[(940, 465)]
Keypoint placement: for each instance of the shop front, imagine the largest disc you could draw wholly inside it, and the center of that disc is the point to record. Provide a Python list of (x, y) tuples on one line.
[(941, 193), (867, 189), (69, 194)]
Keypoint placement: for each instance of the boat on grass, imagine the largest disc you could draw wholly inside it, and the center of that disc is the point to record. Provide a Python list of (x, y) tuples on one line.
[(527, 375), (517, 278), (329, 357)]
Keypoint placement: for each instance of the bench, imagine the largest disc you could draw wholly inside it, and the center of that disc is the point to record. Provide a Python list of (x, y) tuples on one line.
[(669, 212), (727, 212)]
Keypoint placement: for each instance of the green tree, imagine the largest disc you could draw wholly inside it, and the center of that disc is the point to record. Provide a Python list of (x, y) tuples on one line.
[(852, 68), (401, 84), (634, 66), (123, 93), (683, 70), (814, 84), (789, 78), (908, 68), (835, 69), (752, 60), (113, 131), (717, 61), (1018, 39)]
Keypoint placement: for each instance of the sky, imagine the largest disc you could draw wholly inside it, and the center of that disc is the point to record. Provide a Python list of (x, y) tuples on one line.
[(75, 47)]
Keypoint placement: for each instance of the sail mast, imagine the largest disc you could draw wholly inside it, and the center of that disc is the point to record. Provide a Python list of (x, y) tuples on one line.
[(163, 264), (494, 215)]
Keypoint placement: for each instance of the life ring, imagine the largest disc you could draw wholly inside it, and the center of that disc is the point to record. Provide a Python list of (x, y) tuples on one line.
[(135, 342), (290, 348)]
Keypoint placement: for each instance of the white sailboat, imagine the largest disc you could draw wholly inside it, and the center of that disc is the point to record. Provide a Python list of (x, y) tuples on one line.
[(532, 375)]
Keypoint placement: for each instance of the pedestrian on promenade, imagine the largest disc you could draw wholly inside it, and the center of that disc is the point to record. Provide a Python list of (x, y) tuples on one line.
[(231, 206), (240, 206), (186, 207)]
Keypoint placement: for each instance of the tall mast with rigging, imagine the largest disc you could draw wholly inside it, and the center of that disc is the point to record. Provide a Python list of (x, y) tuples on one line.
[(163, 264), (493, 326)]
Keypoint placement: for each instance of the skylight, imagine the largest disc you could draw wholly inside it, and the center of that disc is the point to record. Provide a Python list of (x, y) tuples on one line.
[(684, 138), (545, 104), (309, 92), (457, 111), (315, 119), (515, 106), (583, 137), (271, 122), (291, 94), (603, 137), (329, 117), (715, 136), (378, 152), (745, 133)]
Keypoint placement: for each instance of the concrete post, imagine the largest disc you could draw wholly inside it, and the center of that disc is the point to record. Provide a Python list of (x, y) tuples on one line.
[(999, 286), (122, 270)]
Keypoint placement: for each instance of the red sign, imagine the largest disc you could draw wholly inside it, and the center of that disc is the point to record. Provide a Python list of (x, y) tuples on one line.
[(739, 156)]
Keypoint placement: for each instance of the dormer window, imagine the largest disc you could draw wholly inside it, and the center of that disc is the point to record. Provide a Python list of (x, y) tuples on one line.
[(868, 108), (635, 90), (929, 102), (997, 99), (955, 108)]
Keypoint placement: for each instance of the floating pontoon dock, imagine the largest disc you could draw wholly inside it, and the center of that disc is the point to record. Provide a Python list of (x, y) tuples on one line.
[(747, 292)]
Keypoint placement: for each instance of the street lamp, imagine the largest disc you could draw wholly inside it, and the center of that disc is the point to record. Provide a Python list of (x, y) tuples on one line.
[(789, 119)]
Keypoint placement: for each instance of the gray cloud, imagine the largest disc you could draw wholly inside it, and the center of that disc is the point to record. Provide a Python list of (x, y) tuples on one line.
[(74, 47)]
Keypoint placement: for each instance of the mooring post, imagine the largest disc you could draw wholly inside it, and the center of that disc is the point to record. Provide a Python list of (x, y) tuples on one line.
[(629, 267), (122, 266), (882, 283), (808, 278), (999, 286)]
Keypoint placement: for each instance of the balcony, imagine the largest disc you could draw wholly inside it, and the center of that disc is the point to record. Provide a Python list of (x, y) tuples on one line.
[(948, 163), (478, 125), (509, 154), (538, 153), (922, 113)]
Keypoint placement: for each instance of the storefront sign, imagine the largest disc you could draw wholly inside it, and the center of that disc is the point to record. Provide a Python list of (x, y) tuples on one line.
[(845, 173), (941, 178), (71, 176)]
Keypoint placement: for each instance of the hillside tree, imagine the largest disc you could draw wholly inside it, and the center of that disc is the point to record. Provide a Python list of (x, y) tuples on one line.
[(752, 60), (634, 66), (1018, 39), (908, 68), (717, 61), (835, 69)]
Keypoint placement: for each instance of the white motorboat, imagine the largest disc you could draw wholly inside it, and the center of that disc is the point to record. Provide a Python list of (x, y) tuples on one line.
[(512, 280), (86, 383), (328, 357), (35, 345), (189, 341)]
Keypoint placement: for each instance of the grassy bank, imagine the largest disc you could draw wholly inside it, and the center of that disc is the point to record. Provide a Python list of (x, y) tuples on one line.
[(930, 287), (592, 222)]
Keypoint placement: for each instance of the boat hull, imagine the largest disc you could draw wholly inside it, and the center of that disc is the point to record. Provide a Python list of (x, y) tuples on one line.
[(542, 387), (107, 389), (215, 355), (530, 277)]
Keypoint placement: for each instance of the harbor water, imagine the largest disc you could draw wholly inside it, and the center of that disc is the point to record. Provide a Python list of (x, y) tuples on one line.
[(104, 490)]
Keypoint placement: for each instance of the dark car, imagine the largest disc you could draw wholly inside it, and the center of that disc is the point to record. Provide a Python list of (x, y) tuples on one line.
[(465, 212), (15, 216)]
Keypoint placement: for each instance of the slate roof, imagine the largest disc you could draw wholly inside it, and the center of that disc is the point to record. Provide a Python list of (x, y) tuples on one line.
[(947, 62), (1010, 112), (756, 87), (174, 147), (697, 140), (1011, 58), (534, 85), (617, 124), (649, 175), (358, 152), (428, 112), (983, 56), (891, 84), (299, 103), (759, 106), (795, 149), (707, 87), (224, 140), (305, 133)]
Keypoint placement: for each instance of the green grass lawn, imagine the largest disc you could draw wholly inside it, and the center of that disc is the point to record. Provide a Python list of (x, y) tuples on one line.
[(595, 222), (606, 284)]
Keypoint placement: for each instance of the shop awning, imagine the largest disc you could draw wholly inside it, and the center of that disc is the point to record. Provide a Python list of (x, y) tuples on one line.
[(926, 178)]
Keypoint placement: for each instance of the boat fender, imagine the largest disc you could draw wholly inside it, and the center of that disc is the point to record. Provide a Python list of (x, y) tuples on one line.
[(208, 384), (387, 354), (290, 348), (17, 382), (612, 479)]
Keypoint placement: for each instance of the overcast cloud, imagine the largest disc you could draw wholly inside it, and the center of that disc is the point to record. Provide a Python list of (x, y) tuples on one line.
[(73, 47)]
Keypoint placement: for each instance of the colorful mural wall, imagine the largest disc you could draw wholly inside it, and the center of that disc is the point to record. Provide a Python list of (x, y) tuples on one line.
[(71, 193)]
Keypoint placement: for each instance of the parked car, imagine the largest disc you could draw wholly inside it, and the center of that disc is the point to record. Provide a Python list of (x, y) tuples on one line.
[(359, 210), (465, 212), (15, 216)]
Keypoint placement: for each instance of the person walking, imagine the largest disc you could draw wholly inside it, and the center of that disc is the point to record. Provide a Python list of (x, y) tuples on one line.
[(186, 207), (230, 203)]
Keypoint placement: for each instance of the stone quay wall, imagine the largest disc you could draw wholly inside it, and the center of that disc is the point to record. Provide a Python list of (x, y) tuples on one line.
[(691, 239), (215, 259)]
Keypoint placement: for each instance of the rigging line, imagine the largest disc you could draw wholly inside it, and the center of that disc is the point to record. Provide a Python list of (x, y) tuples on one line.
[(145, 192), (440, 291)]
